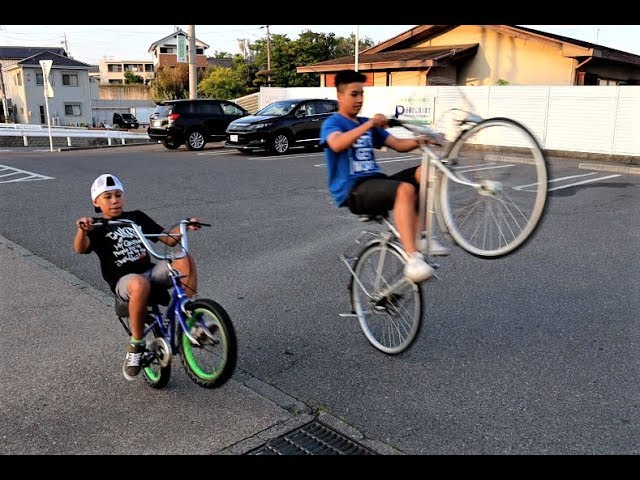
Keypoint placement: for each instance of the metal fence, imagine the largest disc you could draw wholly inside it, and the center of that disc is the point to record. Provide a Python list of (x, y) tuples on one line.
[(30, 135)]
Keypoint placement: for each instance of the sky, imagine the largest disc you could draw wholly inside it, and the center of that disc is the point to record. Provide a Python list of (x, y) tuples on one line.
[(91, 43)]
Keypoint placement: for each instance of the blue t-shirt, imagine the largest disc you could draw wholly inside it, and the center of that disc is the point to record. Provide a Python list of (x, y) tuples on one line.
[(346, 167)]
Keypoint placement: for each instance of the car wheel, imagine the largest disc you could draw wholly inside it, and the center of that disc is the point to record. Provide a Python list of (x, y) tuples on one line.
[(170, 144), (195, 140), (281, 143)]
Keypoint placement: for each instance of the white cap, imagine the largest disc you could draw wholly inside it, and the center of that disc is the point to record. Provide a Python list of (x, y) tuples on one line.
[(105, 183)]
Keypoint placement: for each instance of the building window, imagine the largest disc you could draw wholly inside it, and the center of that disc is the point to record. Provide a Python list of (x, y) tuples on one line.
[(167, 50), (19, 79), (609, 82), (116, 81), (72, 109), (148, 67), (114, 67), (69, 79), (39, 79)]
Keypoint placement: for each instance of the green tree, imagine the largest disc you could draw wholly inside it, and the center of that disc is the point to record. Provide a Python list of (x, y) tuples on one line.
[(347, 45), (309, 48), (227, 83), (221, 54), (171, 83), (131, 78)]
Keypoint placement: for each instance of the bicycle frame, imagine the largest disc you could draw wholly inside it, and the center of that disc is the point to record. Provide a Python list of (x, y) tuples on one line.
[(429, 174), (176, 308)]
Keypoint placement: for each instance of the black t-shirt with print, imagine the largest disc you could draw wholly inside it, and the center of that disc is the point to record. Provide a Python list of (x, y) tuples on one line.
[(119, 249)]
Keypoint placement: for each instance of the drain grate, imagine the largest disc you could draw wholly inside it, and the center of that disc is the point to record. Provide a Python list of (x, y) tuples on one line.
[(314, 438)]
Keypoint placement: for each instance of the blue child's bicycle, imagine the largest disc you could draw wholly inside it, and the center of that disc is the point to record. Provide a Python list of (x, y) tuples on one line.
[(199, 329)]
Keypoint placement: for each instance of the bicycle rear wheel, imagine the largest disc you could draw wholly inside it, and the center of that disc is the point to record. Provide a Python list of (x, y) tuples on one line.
[(391, 322), (502, 213), (157, 368), (212, 361)]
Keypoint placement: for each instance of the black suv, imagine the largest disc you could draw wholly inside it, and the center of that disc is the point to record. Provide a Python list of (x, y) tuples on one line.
[(192, 122), (125, 120), (281, 125)]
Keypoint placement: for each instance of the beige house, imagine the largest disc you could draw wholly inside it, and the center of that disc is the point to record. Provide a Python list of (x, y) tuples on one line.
[(165, 51), (112, 71), (484, 55)]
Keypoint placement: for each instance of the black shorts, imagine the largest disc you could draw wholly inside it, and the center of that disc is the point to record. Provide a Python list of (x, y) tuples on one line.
[(376, 195)]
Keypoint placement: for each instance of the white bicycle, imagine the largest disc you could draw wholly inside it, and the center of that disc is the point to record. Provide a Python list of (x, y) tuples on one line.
[(489, 194)]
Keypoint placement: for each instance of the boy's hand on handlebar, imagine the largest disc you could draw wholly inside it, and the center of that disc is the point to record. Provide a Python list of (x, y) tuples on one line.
[(196, 224), (431, 139), (85, 224), (379, 121)]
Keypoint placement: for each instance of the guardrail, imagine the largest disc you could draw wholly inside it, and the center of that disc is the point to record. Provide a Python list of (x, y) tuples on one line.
[(26, 131)]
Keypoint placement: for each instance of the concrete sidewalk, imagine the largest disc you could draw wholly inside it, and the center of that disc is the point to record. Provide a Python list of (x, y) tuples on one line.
[(61, 352)]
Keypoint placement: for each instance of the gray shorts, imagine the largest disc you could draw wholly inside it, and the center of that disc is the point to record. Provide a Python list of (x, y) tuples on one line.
[(158, 275)]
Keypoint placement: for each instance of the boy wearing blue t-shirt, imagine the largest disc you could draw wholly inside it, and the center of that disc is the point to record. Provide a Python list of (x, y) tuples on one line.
[(355, 179)]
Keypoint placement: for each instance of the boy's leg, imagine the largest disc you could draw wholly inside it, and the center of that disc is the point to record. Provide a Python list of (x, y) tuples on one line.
[(405, 216), (379, 195), (187, 267), (138, 288), (134, 289)]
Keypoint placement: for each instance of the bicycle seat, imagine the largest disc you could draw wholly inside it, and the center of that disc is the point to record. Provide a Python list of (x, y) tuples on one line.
[(158, 296)]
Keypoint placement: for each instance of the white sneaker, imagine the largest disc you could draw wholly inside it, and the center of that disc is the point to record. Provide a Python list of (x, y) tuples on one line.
[(435, 247), (416, 269)]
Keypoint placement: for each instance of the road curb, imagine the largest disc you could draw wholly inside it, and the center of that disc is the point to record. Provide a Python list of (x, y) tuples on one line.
[(610, 168)]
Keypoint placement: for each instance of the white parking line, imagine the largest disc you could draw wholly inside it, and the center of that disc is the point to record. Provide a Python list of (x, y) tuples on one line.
[(285, 157), (583, 182), (6, 171)]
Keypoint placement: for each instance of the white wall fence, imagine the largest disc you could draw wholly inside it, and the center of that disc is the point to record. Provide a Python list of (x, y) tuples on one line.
[(74, 136), (589, 119)]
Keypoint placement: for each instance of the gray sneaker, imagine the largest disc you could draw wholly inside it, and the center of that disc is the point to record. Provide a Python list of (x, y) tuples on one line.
[(133, 361), (435, 247), (417, 269)]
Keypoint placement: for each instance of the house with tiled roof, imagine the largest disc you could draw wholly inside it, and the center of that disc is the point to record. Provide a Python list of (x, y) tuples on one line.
[(24, 87), (484, 55), (165, 50)]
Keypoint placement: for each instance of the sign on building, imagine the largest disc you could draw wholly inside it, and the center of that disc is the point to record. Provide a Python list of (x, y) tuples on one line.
[(182, 49)]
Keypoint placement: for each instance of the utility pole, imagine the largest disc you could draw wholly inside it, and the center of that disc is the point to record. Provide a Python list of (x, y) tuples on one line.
[(357, 45), (193, 66), (4, 98), (268, 54)]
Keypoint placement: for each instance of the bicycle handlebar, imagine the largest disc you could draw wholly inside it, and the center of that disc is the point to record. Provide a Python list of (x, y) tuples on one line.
[(144, 238)]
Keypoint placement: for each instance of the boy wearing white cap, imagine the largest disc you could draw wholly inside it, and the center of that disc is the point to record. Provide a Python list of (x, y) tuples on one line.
[(125, 262)]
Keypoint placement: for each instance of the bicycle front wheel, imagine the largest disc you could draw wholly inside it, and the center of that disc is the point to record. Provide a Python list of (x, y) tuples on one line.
[(497, 216), (210, 361), (390, 320)]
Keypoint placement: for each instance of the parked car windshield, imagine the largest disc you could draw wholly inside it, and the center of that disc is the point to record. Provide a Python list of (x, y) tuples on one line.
[(278, 109), (128, 116)]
